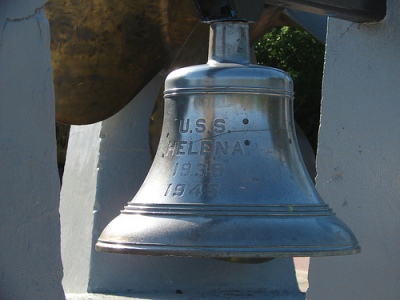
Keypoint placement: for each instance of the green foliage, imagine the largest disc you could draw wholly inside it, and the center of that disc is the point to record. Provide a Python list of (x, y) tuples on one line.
[(299, 54)]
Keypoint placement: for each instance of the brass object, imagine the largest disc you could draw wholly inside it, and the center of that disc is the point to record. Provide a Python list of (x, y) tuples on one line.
[(227, 180)]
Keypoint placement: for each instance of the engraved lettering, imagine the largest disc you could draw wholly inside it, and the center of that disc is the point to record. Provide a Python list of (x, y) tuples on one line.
[(197, 190), (237, 148), (219, 125), (186, 169), (179, 147), (210, 190), (171, 149), (200, 125), (202, 169), (168, 189), (182, 127), (221, 148), (190, 150), (205, 147), (175, 169), (179, 190), (176, 190)]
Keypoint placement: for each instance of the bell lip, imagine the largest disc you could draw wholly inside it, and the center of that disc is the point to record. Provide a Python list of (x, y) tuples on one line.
[(221, 253), (218, 236)]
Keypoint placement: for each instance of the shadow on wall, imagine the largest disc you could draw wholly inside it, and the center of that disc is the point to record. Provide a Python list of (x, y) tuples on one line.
[(62, 135)]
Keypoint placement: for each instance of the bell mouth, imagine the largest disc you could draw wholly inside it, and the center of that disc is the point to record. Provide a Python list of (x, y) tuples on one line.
[(237, 237)]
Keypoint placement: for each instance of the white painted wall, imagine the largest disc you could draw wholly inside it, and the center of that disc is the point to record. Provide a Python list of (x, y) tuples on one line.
[(30, 261), (358, 159)]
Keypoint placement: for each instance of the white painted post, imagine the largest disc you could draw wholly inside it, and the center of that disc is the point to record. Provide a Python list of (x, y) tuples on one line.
[(30, 260), (358, 161)]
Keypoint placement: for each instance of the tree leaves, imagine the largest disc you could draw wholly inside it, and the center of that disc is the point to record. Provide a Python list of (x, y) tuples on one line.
[(300, 55)]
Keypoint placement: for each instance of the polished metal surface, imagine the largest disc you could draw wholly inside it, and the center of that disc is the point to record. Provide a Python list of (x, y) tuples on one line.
[(195, 50), (228, 180)]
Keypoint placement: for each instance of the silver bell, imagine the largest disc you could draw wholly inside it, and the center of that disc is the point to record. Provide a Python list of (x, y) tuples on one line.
[(228, 180)]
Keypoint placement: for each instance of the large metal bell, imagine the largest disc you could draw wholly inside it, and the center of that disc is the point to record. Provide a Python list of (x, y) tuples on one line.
[(228, 180)]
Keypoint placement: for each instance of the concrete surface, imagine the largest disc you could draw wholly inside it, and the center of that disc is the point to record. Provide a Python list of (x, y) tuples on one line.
[(30, 261), (358, 160), (301, 264)]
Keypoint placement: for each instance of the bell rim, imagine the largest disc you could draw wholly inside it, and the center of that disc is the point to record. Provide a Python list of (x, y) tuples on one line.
[(227, 236), (225, 253)]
